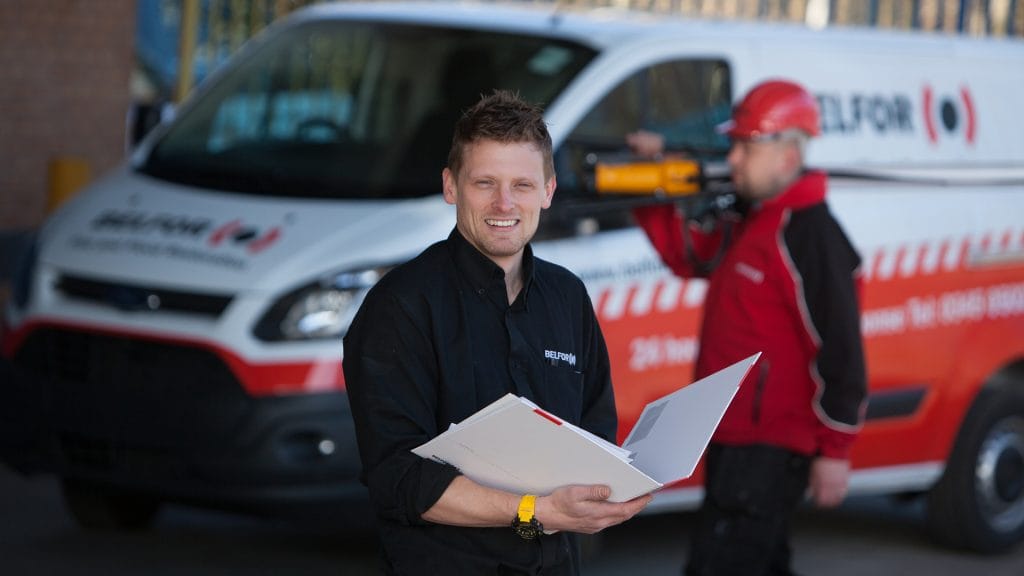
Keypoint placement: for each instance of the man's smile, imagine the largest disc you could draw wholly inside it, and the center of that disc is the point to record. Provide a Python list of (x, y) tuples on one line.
[(507, 223)]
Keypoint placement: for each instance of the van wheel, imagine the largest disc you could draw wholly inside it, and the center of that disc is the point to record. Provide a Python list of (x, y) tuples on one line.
[(978, 504), (98, 507)]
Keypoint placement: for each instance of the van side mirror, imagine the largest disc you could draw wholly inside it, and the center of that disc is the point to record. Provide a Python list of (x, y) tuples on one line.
[(143, 117)]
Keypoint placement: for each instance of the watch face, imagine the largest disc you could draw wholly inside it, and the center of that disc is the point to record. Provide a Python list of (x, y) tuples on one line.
[(528, 530)]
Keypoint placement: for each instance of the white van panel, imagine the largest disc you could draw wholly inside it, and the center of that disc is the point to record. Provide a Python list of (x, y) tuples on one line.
[(137, 229)]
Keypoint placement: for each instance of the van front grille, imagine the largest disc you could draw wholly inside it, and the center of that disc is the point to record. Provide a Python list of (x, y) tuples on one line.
[(133, 297), (111, 396)]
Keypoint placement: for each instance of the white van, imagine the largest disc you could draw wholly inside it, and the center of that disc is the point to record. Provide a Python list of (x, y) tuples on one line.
[(179, 322)]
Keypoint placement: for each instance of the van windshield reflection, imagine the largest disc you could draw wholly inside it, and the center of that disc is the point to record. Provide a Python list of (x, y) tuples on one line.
[(351, 109)]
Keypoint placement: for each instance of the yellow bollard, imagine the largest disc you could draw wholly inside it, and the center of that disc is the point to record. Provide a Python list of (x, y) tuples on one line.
[(67, 174)]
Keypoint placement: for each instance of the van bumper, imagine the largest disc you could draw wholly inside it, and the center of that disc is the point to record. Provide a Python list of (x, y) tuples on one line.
[(172, 421)]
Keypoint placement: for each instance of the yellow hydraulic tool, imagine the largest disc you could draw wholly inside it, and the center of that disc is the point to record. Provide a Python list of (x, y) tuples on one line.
[(666, 177)]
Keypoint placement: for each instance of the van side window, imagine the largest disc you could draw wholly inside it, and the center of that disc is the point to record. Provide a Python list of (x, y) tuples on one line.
[(684, 100)]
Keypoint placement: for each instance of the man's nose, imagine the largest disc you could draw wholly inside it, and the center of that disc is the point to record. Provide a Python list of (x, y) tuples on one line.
[(504, 198)]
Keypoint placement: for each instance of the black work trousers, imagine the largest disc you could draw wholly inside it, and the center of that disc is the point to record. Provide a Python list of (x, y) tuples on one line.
[(750, 495)]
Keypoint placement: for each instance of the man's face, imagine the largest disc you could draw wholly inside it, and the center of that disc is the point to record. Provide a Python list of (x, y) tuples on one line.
[(762, 169), (498, 196)]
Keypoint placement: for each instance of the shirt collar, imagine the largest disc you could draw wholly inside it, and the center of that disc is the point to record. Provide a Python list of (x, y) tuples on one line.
[(482, 272)]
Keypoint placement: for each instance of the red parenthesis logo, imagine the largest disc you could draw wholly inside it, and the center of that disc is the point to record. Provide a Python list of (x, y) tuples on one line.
[(949, 114), (241, 234)]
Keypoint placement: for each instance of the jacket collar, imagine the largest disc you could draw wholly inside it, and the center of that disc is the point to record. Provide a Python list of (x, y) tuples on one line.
[(808, 190)]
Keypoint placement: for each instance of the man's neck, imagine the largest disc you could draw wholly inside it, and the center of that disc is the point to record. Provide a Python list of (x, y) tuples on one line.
[(513, 278)]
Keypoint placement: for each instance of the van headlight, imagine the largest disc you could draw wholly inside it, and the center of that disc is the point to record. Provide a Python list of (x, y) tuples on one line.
[(319, 310)]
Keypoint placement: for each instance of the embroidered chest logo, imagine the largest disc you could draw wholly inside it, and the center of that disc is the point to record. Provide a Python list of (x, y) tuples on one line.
[(556, 357), (749, 272)]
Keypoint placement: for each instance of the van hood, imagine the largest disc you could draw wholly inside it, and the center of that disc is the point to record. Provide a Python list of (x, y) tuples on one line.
[(133, 228)]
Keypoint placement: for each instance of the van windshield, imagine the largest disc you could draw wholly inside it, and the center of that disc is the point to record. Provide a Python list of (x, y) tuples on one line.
[(351, 109)]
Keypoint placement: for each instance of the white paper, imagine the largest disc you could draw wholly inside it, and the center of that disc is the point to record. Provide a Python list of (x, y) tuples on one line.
[(513, 445), (520, 450), (672, 432)]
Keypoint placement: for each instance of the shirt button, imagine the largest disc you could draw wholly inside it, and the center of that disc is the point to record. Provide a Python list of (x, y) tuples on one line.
[(480, 291)]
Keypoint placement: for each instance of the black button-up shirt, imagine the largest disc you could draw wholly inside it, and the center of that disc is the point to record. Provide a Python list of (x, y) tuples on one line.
[(435, 341)]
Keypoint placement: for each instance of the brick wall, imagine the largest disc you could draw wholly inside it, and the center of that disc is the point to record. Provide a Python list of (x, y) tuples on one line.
[(65, 67)]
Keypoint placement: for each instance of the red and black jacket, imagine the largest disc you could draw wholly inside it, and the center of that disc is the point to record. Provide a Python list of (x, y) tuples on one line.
[(787, 286)]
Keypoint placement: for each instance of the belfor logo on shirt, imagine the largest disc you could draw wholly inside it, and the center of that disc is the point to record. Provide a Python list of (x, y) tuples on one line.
[(556, 357)]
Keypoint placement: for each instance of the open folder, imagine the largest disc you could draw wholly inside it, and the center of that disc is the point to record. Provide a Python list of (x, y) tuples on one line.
[(514, 445)]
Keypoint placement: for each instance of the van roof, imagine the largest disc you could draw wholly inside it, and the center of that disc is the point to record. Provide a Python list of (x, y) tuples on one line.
[(604, 28)]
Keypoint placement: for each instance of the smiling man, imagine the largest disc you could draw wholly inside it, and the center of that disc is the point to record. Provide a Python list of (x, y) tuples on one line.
[(498, 189), (469, 320)]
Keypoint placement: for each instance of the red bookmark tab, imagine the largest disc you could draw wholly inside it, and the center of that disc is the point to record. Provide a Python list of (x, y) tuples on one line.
[(548, 416)]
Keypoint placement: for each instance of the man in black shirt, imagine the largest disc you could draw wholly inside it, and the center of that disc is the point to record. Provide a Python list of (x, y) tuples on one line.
[(470, 319)]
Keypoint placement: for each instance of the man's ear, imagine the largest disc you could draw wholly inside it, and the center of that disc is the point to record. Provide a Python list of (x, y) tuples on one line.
[(549, 191), (448, 183), (794, 159)]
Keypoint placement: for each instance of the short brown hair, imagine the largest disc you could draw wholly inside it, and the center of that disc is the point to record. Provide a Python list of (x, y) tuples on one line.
[(502, 117)]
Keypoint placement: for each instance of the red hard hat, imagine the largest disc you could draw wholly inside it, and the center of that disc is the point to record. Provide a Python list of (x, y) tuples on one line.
[(771, 107)]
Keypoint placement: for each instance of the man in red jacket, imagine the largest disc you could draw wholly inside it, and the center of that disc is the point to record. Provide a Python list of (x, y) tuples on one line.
[(786, 284)]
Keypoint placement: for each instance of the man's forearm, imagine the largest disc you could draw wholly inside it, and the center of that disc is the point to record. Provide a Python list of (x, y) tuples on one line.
[(466, 503)]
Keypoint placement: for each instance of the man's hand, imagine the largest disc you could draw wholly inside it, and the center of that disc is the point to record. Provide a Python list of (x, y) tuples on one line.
[(585, 509), (829, 480), (646, 144)]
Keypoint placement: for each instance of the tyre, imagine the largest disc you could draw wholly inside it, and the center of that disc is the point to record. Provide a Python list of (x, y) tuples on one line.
[(98, 507), (979, 502)]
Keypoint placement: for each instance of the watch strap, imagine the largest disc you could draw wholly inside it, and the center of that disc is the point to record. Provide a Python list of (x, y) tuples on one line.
[(527, 508), (525, 523)]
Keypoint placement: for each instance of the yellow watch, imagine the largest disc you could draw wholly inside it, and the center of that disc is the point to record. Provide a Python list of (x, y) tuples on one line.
[(525, 523)]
